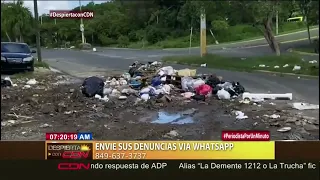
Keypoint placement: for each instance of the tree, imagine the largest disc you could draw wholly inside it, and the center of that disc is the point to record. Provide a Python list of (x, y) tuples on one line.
[(306, 8), (16, 20), (152, 21), (262, 13)]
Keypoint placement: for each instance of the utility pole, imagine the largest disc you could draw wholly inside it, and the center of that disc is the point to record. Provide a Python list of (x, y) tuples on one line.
[(277, 23), (203, 35), (36, 16), (190, 41), (81, 25)]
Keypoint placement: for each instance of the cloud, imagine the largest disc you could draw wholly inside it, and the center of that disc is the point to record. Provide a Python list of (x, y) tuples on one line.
[(45, 6)]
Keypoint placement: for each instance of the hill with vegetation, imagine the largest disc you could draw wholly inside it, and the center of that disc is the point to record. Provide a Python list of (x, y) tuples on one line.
[(158, 23)]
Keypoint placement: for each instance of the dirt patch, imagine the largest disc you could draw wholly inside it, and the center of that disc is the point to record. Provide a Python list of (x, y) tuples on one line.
[(55, 104)]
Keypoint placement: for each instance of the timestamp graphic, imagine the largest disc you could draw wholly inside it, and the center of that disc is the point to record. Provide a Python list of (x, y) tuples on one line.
[(69, 151)]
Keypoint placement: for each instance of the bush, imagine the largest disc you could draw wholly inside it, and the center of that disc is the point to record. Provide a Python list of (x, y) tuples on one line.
[(140, 34), (106, 41), (132, 36), (154, 34), (123, 41), (84, 46), (218, 25)]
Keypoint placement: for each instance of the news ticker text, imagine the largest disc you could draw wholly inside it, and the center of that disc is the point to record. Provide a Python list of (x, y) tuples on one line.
[(196, 165), (199, 169)]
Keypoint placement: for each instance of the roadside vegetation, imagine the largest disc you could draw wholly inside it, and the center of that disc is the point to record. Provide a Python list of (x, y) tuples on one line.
[(159, 24), (41, 64), (305, 50), (281, 64)]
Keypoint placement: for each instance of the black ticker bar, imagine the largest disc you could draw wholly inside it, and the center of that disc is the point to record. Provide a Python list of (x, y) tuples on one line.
[(158, 168)]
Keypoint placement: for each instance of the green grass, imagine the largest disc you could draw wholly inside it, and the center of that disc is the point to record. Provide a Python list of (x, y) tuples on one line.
[(306, 50), (233, 34), (249, 64), (23, 75), (41, 64)]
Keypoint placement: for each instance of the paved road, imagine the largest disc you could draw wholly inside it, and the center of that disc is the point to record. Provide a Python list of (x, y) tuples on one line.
[(149, 55), (84, 64)]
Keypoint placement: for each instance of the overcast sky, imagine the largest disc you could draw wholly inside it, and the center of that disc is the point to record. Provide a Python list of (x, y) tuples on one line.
[(44, 6)]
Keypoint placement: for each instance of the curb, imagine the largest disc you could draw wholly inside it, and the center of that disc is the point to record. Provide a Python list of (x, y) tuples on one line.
[(302, 53), (288, 74)]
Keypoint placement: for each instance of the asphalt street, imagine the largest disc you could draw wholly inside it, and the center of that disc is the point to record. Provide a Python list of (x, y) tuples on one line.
[(87, 63)]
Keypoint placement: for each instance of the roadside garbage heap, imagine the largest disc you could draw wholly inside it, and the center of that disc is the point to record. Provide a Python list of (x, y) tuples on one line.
[(206, 86), (152, 81)]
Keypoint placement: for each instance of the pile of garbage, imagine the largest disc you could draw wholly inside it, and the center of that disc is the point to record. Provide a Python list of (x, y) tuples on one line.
[(153, 81)]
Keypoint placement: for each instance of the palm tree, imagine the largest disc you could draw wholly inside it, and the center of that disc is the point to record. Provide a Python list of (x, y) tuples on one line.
[(5, 22), (16, 20)]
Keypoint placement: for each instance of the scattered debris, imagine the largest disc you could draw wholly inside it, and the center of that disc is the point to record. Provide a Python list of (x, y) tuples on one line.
[(122, 97), (149, 95), (27, 86), (284, 129), (171, 134), (313, 62), (305, 106), (32, 82), (187, 72), (256, 100), (246, 101), (8, 123), (296, 68), (187, 95), (273, 116), (240, 115), (250, 96), (223, 94), (45, 125)]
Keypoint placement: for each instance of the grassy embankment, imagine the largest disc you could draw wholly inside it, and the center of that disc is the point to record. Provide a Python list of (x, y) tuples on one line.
[(233, 34), (250, 64), (31, 74), (42, 64)]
